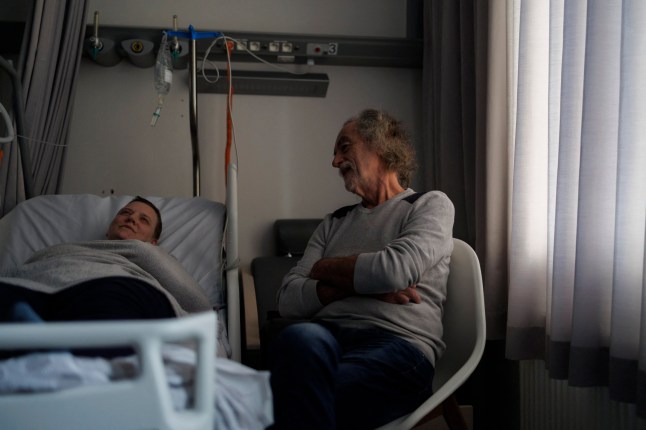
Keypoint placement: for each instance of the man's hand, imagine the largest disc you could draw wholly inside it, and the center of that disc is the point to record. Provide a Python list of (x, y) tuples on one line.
[(402, 297)]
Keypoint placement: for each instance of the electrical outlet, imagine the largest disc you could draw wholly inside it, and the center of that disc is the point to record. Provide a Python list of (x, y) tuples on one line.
[(241, 45)]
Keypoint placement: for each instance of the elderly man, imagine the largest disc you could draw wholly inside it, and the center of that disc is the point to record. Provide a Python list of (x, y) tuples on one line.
[(372, 282)]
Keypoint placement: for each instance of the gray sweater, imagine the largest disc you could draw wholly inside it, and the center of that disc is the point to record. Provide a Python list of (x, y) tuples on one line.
[(404, 241), (61, 266)]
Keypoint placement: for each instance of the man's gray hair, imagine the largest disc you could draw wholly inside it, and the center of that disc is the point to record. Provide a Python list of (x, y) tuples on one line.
[(389, 138)]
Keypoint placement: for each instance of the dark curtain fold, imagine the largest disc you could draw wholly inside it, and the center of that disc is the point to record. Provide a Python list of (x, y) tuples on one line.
[(11, 184), (448, 152), (48, 65), (464, 153), (459, 140)]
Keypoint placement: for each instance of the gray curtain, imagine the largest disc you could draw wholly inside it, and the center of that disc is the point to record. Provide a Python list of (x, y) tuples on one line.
[(47, 67), (464, 131), (464, 153), (11, 184), (449, 108)]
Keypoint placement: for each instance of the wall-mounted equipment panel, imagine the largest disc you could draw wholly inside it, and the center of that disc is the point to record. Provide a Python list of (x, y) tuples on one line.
[(294, 48)]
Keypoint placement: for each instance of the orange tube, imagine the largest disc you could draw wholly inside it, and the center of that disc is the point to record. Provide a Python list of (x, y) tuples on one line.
[(227, 152)]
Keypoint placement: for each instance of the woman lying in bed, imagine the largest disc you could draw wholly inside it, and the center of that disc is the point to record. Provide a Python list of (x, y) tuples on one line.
[(124, 277)]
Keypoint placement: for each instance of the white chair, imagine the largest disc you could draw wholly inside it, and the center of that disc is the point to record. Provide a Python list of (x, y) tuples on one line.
[(464, 335)]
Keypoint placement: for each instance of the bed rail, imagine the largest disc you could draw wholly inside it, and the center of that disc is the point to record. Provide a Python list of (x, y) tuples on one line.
[(142, 402)]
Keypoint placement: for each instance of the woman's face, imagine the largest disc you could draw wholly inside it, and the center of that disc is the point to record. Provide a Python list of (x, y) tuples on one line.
[(136, 220)]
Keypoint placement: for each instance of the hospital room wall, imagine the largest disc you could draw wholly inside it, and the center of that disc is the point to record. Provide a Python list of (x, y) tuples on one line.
[(283, 144)]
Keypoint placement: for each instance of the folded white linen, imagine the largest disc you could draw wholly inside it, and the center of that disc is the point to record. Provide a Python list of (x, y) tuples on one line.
[(51, 371)]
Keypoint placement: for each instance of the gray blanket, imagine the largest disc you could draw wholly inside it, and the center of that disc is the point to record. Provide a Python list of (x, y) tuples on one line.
[(61, 266)]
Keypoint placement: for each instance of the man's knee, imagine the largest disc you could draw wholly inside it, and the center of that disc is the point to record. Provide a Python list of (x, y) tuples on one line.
[(304, 339)]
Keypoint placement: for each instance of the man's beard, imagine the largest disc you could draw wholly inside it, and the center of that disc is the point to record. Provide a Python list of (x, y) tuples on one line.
[(349, 175)]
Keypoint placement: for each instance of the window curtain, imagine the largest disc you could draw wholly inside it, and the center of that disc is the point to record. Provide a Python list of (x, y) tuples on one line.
[(464, 151), (577, 135), (465, 131), (47, 67)]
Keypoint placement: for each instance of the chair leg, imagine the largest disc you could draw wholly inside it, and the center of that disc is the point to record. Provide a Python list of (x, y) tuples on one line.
[(449, 409), (437, 412), (453, 415)]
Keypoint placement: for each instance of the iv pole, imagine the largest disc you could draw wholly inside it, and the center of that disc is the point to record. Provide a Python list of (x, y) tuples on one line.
[(192, 78)]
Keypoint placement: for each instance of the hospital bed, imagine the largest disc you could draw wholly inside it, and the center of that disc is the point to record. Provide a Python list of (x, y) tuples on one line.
[(202, 236)]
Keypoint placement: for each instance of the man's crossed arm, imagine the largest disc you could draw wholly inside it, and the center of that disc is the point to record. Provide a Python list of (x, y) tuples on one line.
[(335, 278)]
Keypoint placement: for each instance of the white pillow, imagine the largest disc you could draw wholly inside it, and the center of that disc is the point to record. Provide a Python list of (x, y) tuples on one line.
[(193, 230)]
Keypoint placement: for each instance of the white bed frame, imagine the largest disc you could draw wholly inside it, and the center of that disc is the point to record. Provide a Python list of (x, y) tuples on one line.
[(142, 403)]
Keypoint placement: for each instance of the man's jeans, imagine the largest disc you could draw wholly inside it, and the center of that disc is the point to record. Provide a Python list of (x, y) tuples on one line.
[(326, 377)]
